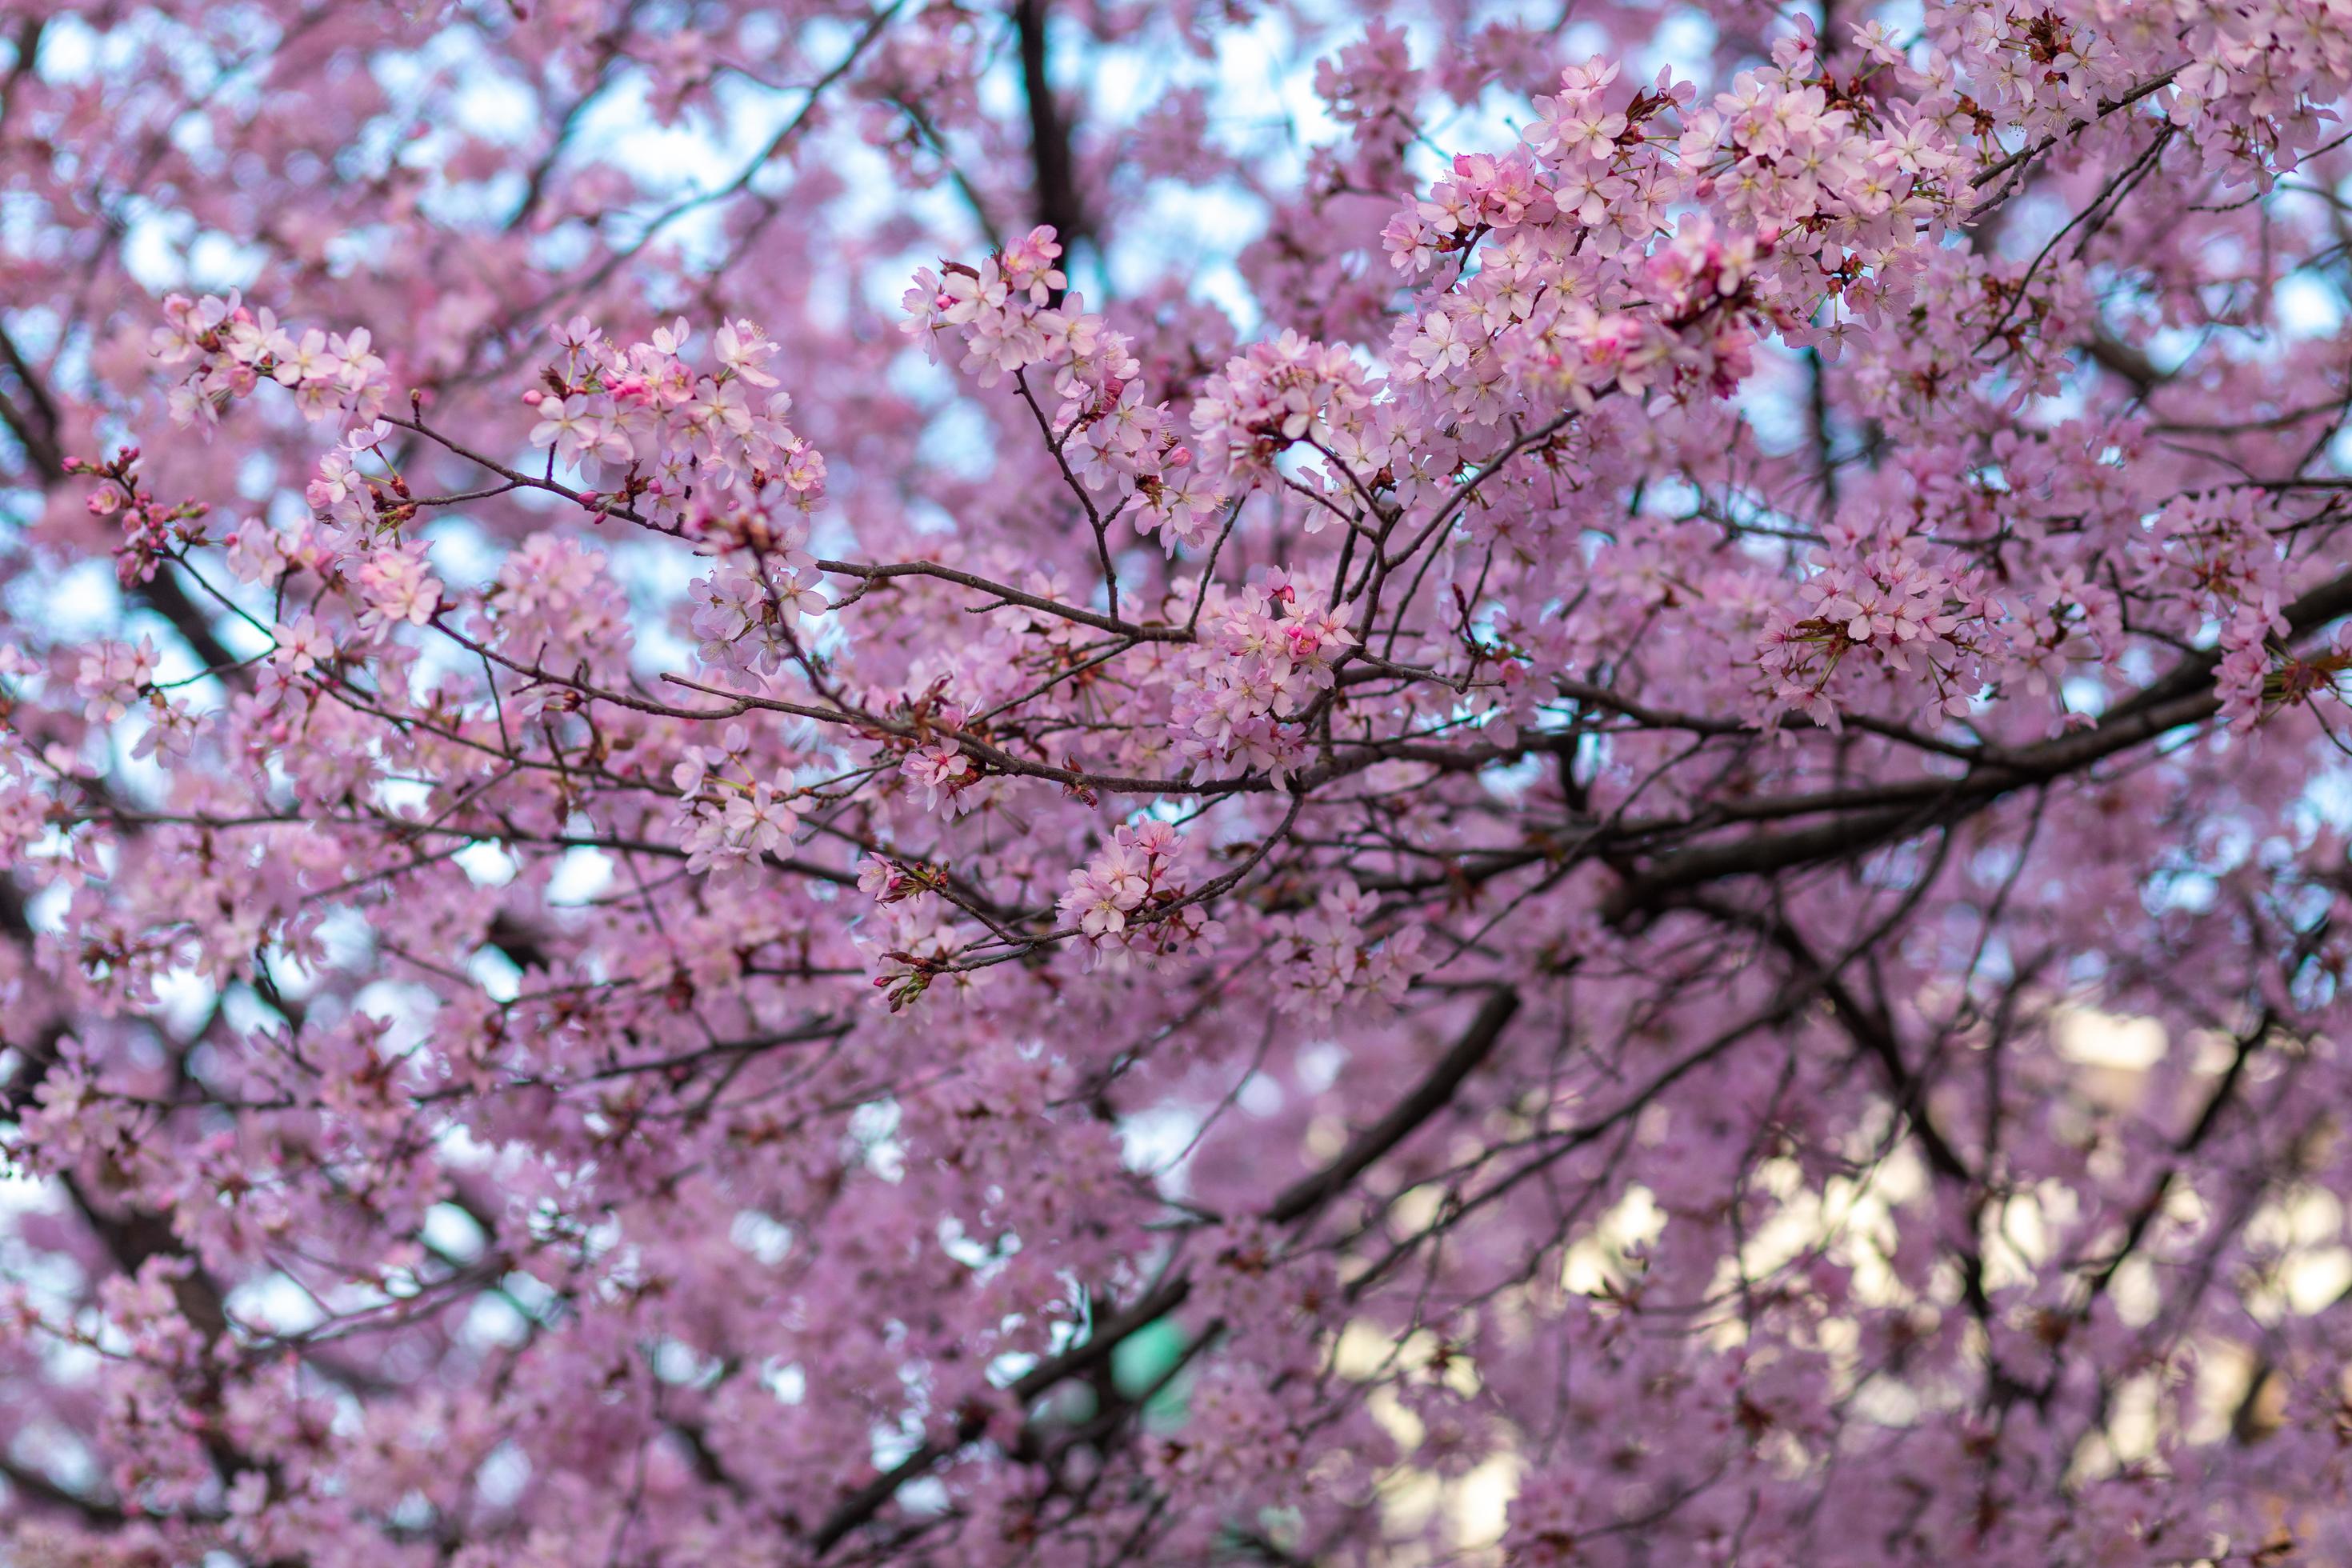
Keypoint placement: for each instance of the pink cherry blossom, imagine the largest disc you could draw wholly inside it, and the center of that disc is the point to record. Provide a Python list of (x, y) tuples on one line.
[(1591, 811)]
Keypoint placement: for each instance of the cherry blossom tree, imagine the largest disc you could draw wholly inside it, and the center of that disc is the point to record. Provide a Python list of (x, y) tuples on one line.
[(1096, 783)]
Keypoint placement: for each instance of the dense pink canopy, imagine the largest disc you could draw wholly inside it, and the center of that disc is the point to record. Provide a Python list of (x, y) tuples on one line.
[(1101, 782)]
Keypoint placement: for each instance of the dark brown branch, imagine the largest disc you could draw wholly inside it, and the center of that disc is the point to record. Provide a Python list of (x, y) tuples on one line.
[(1057, 204), (36, 1490), (2184, 695), (35, 422), (1306, 1197), (2117, 357), (166, 596)]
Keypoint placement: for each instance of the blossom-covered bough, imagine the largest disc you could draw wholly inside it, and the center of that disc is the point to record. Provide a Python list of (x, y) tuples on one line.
[(1627, 848)]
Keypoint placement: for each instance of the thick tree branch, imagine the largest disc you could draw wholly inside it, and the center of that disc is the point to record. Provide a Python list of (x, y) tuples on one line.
[(1056, 194), (1305, 1198)]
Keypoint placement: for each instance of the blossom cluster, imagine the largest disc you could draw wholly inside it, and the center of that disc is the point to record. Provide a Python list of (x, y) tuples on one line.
[(1104, 428), (1130, 899), (1335, 953), (1888, 599), (1264, 657), (229, 350), (689, 447), (726, 822)]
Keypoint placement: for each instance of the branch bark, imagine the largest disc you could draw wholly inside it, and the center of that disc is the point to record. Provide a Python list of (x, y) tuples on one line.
[(1305, 1198), (1057, 204)]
